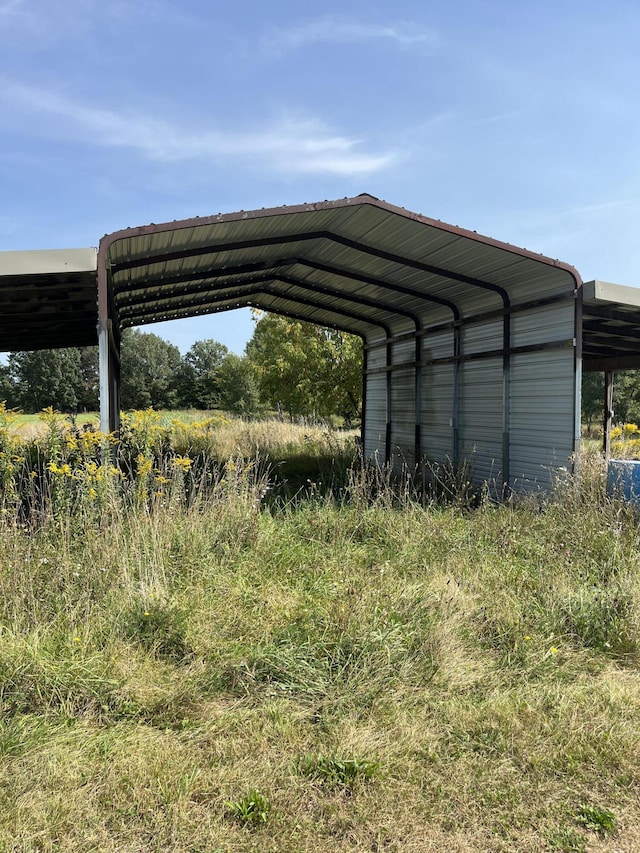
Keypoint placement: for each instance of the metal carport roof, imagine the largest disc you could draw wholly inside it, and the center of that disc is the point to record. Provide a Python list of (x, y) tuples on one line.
[(358, 259), (48, 299), (610, 326)]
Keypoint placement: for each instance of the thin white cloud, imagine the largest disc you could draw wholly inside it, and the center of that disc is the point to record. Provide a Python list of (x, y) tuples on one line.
[(288, 145), (343, 31)]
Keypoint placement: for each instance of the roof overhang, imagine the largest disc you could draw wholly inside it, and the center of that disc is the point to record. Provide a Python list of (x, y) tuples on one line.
[(48, 299), (610, 326)]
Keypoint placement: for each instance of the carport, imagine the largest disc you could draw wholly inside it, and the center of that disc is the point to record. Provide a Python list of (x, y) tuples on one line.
[(473, 347), (470, 344)]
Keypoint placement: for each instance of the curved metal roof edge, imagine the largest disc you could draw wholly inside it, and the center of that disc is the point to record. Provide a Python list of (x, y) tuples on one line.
[(363, 198)]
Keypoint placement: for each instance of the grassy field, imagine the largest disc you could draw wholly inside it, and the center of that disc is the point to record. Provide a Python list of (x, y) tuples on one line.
[(196, 661)]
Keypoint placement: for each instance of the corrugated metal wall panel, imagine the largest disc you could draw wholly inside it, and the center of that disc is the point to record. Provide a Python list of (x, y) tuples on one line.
[(376, 397), (376, 416), (481, 416), (437, 344), (482, 337), (403, 351), (376, 357), (437, 412), (542, 419), (403, 416), (437, 397), (541, 399), (542, 324)]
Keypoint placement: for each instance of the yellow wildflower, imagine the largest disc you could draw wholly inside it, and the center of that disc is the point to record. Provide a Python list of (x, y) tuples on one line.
[(182, 463)]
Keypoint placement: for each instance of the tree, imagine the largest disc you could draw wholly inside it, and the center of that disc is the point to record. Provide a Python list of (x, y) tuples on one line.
[(46, 378), (7, 387), (199, 382), (308, 369), (89, 391), (149, 371), (592, 398), (238, 385), (626, 396)]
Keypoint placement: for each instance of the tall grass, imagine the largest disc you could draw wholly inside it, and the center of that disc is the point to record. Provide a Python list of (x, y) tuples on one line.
[(187, 664)]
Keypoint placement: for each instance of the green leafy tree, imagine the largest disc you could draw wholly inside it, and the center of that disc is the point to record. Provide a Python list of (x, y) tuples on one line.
[(199, 380), (7, 387), (592, 398), (626, 396), (149, 371), (46, 378), (238, 385), (307, 369), (89, 391)]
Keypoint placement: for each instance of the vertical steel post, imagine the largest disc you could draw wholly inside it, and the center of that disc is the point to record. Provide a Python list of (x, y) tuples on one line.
[(108, 349), (577, 396), (104, 375), (506, 399), (387, 437), (608, 414), (363, 417), (455, 408), (418, 396)]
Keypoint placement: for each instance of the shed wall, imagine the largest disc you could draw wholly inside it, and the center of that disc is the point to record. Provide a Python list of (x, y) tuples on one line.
[(536, 383)]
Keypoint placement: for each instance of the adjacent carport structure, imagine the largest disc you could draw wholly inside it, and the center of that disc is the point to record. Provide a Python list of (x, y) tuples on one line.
[(473, 348)]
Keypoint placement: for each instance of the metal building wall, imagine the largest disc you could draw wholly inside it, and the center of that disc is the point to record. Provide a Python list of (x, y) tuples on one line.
[(465, 386), (437, 395), (543, 395), (481, 390)]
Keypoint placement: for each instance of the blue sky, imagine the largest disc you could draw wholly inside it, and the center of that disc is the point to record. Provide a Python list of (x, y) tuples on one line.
[(517, 120)]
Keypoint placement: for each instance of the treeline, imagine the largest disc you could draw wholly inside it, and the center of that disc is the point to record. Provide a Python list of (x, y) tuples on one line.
[(294, 367)]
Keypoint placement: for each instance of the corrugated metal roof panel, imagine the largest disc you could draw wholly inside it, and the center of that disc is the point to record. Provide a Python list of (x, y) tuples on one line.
[(360, 236)]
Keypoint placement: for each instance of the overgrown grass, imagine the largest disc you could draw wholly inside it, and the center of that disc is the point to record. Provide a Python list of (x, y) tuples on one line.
[(201, 669)]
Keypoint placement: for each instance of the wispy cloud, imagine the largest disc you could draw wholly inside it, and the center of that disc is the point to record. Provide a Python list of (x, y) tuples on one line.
[(329, 29), (292, 145)]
